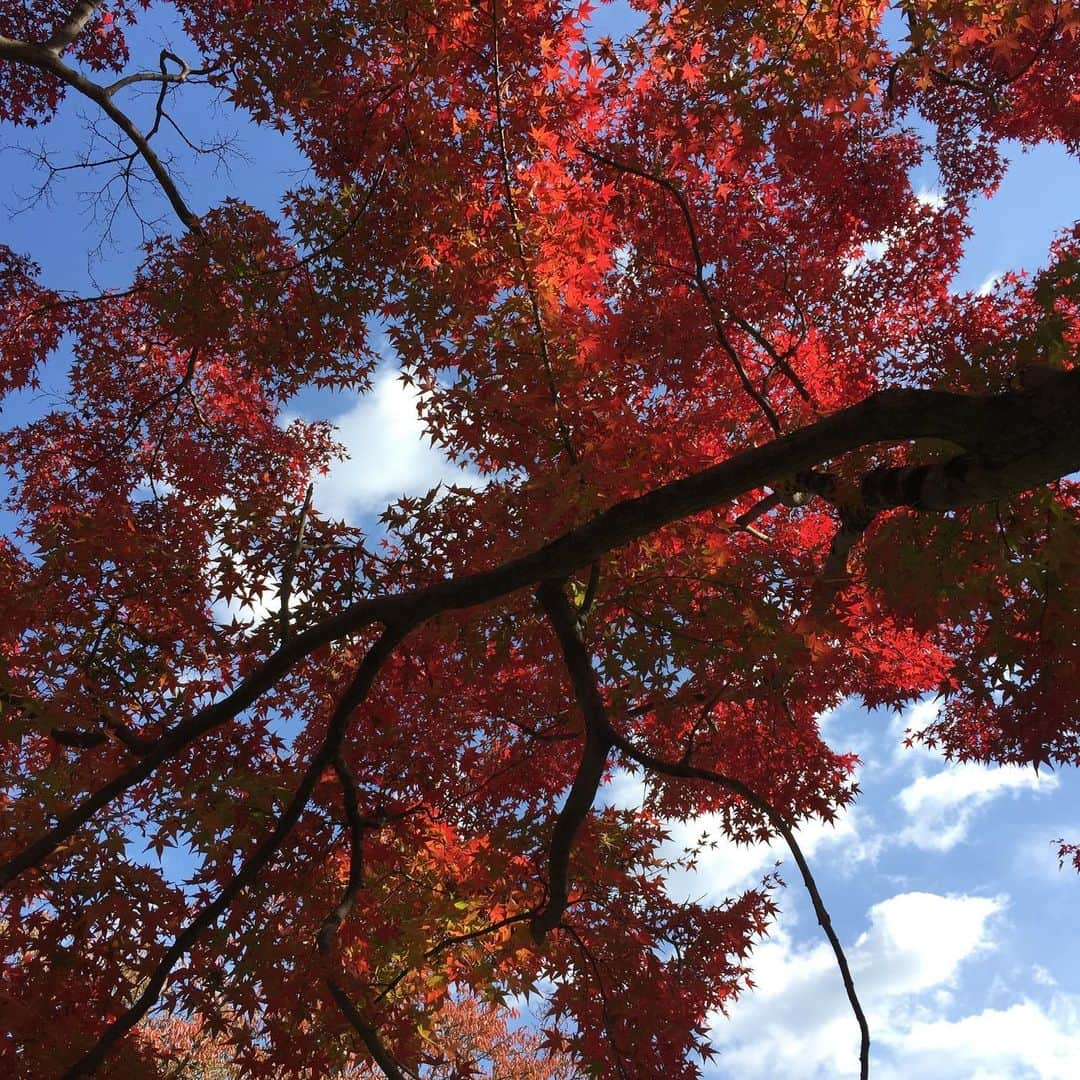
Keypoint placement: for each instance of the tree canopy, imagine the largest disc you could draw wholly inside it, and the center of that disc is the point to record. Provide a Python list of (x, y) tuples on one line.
[(731, 470)]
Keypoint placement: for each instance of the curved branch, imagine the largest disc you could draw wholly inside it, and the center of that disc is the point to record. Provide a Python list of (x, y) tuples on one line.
[(701, 283), (737, 787), (253, 865), (1016, 441), (328, 931), (48, 60), (162, 76), (590, 770), (64, 35)]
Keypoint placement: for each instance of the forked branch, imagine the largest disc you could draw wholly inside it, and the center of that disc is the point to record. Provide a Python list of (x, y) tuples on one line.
[(47, 58), (701, 284), (587, 692), (1013, 441), (254, 864)]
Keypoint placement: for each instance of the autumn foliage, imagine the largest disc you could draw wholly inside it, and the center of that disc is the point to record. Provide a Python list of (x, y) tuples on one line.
[(734, 465)]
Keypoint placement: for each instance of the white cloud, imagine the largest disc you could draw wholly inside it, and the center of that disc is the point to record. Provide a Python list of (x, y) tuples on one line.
[(874, 250), (942, 807), (918, 940), (624, 790), (388, 453), (988, 285), (1023, 1041), (797, 1022), (1042, 976), (261, 604), (728, 868), (871, 252), (914, 719), (933, 199), (908, 969), (725, 869)]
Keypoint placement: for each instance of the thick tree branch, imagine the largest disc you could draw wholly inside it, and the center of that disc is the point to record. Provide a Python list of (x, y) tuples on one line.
[(1014, 441), (253, 865), (357, 825), (593, 757), (64, 35), (372, 1040)]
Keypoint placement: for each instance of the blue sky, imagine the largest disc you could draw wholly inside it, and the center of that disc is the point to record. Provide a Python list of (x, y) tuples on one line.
[(944, 887), (942, 880)]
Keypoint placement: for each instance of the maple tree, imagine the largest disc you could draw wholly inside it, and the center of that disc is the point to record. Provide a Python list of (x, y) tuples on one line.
[(733, 471)]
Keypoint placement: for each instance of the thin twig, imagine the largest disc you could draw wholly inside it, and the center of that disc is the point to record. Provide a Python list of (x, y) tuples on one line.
[(290, 565), (702, 285), (45, 59), (737, 787)]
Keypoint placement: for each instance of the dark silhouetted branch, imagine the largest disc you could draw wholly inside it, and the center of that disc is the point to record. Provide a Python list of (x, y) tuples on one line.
[(737, 787), (1013, 441), (593, 758), (253, 865)]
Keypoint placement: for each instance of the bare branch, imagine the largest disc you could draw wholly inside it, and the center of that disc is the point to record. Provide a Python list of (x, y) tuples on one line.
[(65, 34), (47, 60), (163, 76)]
